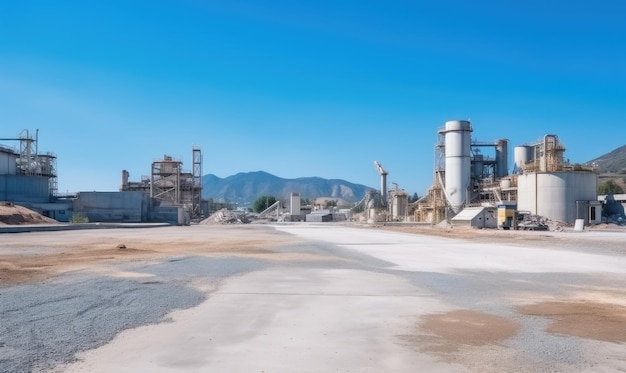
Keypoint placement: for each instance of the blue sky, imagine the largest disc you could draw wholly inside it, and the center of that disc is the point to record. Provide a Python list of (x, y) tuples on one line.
[(301, 89)]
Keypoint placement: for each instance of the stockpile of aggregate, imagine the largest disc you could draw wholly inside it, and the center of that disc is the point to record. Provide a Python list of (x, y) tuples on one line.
[(225, 216)]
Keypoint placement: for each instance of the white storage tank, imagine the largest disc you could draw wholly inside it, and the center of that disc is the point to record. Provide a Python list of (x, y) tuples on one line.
[(554, 194), (522, 155), (457, 162)]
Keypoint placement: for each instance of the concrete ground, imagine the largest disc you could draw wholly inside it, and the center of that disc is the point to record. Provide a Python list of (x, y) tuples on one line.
[(312, 297)]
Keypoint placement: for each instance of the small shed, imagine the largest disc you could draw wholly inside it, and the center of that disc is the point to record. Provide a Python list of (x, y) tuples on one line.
[(476, 217), (320, 216)]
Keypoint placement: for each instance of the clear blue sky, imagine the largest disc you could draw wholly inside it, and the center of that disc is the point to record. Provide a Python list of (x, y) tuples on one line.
[(320, 88)]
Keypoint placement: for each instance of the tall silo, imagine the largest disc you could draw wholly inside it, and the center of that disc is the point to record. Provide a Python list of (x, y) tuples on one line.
[(502, 158), (458, 162)]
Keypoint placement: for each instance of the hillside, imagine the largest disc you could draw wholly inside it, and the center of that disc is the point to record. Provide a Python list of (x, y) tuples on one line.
[(613, 162), (611, 166), (246, 187)]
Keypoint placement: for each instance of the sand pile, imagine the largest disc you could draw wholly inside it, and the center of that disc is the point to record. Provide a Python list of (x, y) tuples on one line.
[(11, 214)]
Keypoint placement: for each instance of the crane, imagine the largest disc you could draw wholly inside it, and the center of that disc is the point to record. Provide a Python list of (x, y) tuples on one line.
[(383, 181)]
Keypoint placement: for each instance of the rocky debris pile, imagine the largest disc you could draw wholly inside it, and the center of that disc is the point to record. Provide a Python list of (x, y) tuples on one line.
[(537, 223), (225, 216), (11, 214)]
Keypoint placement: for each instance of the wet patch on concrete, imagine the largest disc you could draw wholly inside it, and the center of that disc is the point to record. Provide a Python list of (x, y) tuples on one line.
[(591, 320)]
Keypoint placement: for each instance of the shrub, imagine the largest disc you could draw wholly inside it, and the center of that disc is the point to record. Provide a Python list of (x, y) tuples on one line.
[(609, 187), (78, 218)]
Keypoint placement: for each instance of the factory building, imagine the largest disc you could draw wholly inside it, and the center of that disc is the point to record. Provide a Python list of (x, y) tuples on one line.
[(170, 194), (29, 177), (541, 183), (171, 186)]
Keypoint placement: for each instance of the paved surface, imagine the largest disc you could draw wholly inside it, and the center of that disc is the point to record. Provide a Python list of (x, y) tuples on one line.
[(332, 298)]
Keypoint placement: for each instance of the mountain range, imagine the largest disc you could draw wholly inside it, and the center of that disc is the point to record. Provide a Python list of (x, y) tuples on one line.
[(246, 187)]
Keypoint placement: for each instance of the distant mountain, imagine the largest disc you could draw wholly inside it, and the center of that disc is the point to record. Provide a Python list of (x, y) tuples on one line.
[(613, 162), (246, 187)]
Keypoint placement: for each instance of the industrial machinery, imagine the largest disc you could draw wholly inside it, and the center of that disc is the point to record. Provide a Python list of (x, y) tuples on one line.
[(34, 167), (170, 185)]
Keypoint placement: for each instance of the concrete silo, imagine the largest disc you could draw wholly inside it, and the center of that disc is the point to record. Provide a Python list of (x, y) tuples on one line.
[(555, 194), (457, 162), (551, 188)]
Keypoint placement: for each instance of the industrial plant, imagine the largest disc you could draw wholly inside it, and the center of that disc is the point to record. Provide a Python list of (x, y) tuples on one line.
[(170, 194), (28, 177), (472, 186)]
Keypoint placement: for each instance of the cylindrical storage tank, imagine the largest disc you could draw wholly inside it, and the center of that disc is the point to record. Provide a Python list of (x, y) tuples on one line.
[(554, 194), (522, 155), (502, 158), (479, 166), (294, 206), (458, 162)]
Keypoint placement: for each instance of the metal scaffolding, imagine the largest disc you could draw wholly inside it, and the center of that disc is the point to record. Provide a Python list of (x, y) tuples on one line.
[(172, 186), (31, 163)]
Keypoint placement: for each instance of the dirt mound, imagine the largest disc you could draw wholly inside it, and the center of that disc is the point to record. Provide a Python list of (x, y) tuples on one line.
[(11, 214)]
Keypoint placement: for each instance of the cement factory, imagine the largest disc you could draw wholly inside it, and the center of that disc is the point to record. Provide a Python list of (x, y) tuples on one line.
[(472, 186)]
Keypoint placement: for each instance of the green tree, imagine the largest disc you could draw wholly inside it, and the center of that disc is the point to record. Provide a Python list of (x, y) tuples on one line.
[(330, 203), (263, 203), (413, 198), (609, 187)]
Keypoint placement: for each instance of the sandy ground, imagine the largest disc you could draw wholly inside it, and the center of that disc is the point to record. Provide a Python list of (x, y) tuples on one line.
[(311, 298), (38, 256)]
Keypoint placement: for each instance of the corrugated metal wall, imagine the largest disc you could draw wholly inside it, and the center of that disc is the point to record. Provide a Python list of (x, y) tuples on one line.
[(22, 188), (125, 207)]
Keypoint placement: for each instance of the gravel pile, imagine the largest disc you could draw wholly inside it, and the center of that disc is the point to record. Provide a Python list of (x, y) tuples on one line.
[(225, 216)]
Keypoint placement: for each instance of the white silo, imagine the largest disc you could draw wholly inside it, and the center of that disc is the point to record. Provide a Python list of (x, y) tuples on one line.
[(522, 155), (295, 204), (457, 162)]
